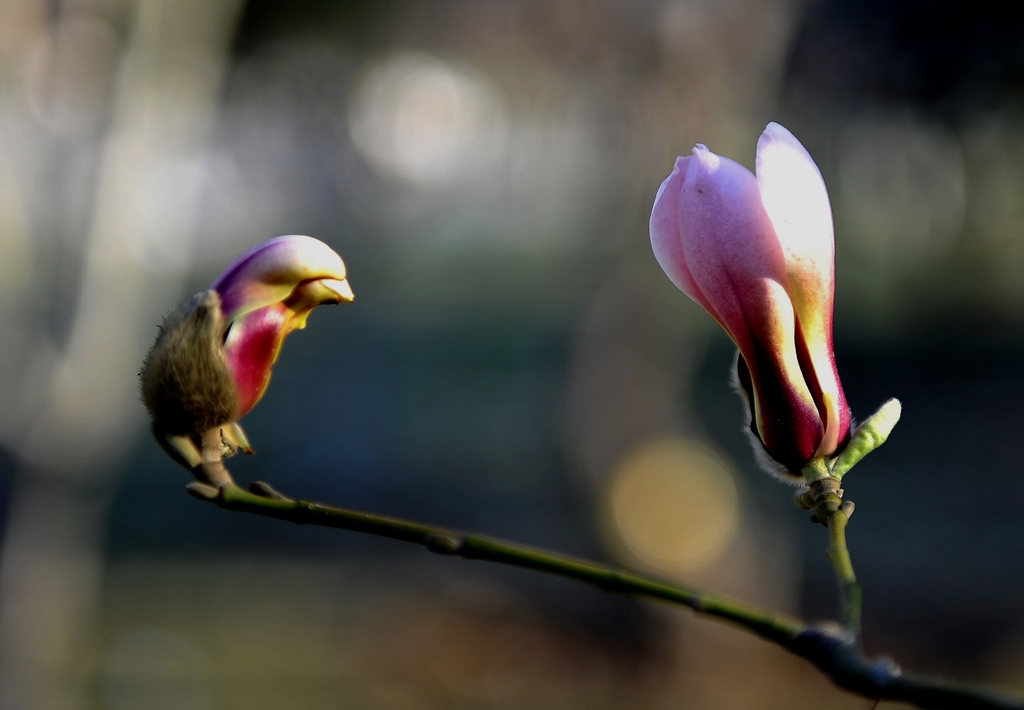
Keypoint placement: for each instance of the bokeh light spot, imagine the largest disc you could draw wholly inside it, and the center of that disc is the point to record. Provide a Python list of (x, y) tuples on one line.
[(674, 506), (425, 122)]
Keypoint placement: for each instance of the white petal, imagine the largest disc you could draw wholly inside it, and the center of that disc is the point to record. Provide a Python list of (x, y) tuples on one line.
[(796, 200)]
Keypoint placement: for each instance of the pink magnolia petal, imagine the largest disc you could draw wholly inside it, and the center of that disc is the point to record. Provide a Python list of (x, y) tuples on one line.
[(728, 243), (785, 414), (823, 376), (795, 197), (254, 340), (666, 239), (252, 347), (269, 272), (735, 259), (268, 292)]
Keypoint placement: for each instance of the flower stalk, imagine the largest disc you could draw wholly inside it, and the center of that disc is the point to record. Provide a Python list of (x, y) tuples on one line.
[(832, 512), (850, 591)]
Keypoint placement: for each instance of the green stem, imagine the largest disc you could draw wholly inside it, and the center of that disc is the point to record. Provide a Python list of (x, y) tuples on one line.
[(839, 555), (834, 651), (834, 514)]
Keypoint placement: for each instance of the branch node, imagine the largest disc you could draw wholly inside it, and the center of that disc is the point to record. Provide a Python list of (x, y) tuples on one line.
[(827, 636), (265, 490), (444, 544), (202, 491), (885, 669), (826, 493)]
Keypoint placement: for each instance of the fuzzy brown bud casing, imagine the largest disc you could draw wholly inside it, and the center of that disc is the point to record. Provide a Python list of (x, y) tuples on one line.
[(186, 384)]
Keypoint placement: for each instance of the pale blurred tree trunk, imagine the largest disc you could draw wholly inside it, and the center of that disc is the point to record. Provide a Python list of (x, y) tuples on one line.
[(75, 404)]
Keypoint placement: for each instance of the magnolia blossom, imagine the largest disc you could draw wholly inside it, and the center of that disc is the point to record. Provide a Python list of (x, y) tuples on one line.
[(758, 254), (211, 361), (265, 294)]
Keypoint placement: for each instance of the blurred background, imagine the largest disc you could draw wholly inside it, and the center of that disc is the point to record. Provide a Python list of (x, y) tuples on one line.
[(515, 362)]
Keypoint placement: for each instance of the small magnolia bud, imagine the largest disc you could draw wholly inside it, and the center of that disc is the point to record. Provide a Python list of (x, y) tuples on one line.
[(211, 360), (868, 436)]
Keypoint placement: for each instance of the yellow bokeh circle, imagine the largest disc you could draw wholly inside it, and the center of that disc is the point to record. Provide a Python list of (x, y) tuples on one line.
[(673, 504)]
